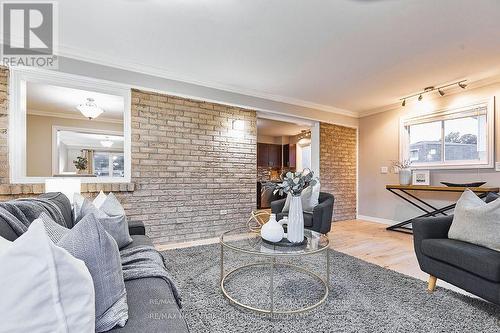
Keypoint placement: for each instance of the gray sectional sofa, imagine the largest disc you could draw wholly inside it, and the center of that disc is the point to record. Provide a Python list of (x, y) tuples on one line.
[(151, 304)]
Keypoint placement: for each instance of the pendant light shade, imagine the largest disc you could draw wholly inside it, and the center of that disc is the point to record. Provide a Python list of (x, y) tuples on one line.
[(90, 109)]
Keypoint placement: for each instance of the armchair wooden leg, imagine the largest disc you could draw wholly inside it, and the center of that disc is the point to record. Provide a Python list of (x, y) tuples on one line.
[(432, 283)]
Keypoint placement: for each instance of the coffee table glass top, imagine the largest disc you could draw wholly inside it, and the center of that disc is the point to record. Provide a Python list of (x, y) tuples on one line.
[(243, 240)]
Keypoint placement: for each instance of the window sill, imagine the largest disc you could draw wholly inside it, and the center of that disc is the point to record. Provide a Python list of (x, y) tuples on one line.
[(20, 189)]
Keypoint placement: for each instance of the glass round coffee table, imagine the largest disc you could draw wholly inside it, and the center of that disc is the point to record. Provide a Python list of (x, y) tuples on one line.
[(242, 241)]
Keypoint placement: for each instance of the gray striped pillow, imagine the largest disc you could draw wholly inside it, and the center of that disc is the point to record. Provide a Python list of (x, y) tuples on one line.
[(89, 241)]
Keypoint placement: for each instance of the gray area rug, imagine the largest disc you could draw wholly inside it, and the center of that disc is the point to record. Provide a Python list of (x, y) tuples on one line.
[(363, 298)]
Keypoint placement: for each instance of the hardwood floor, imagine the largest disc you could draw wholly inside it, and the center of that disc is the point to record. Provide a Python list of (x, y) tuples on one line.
[(370, 241)]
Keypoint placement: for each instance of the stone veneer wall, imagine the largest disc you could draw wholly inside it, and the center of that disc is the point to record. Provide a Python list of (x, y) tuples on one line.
[(192, 175), (338, 146)]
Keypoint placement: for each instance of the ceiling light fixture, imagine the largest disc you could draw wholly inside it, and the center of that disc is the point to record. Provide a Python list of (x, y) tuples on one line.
[(107, 143), (429, 89), (90, 109)]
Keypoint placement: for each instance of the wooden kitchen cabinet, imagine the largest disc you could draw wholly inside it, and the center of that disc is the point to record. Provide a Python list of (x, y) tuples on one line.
[(269, 155)]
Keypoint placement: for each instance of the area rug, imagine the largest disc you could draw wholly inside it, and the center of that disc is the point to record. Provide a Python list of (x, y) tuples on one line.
[(363, 298)]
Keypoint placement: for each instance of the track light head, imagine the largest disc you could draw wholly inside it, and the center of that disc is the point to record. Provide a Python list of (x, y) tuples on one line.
[(441, 92), (420, 97), (462, 85), (404, 102)]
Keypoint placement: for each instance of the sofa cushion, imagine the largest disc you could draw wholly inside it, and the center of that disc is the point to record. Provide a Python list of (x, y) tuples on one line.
[(151, 308), (139, 240), (475, 259), (308, 218)]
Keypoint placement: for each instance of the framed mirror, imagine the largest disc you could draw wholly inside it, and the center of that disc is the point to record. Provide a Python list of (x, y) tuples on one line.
[(68, 126)]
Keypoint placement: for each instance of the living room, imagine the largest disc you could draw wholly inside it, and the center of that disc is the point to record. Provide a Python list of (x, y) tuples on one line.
[(236, 166)]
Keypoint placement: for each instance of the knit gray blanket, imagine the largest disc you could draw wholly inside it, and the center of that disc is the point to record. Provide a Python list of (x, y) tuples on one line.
[(144, 261), (21, 212)]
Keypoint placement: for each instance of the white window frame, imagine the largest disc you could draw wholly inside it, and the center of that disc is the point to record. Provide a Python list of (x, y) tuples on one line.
[(110, 160), (18, 112), (404, 144)]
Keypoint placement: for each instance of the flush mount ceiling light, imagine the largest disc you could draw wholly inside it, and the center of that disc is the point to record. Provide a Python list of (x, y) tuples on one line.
[(90, 109), (106, 142), (429, 89)]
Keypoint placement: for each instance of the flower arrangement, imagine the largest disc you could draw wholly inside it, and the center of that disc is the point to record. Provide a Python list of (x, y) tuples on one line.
[(401, 165), (80, 163), (296, 182)]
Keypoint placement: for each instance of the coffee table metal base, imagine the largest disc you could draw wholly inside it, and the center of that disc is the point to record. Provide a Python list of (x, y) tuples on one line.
[(273, 266)]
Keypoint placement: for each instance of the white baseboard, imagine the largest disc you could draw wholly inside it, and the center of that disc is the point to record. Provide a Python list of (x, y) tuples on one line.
[(376, 219)]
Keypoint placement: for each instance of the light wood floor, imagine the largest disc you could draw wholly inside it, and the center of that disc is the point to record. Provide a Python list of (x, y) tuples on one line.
[(371, 242)]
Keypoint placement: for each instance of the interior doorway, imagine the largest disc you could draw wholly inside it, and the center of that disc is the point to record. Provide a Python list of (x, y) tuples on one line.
[(283, 144)]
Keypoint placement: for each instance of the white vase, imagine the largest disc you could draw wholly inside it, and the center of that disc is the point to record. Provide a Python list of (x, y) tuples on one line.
[(295, 229), (272, 231), (404, 176)]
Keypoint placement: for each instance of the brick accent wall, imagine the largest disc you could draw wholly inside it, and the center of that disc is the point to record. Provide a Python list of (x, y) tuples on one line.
[(338, 168), (194, 177)]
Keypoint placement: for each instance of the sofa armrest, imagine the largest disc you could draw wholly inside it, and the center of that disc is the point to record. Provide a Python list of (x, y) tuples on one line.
[(277, 206), (136, 228), (427, 228), (322, 216)]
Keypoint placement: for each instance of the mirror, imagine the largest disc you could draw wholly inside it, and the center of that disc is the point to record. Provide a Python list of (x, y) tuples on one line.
[(68, 126)]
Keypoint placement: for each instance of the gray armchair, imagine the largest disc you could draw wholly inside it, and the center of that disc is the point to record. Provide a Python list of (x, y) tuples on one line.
[(473, 268), (320, 219)]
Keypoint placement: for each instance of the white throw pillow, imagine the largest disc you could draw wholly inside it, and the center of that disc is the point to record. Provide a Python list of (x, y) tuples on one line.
[(4, 244), (99, 200), (309, 198), (43, 288), (476, 222)]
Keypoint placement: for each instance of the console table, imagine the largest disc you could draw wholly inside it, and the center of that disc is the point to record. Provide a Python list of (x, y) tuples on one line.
[(403, 191)]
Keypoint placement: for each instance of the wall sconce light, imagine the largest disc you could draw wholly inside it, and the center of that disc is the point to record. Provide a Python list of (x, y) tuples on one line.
[(429, 89), (67, 186), (238, 125)]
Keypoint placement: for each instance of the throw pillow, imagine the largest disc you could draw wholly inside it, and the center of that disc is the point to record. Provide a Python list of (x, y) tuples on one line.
[(309, 198), (99, 200), (4, 244), (89, 241), (113, 218), (54, 230), (43, 287), (476, 222), (78, 200)]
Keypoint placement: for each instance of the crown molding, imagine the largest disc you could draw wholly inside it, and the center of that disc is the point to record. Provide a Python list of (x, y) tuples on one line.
[(449, 92), (71, 116), (91, 57)]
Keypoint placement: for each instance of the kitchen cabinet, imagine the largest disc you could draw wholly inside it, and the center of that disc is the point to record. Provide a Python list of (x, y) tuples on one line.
[(269, 155)]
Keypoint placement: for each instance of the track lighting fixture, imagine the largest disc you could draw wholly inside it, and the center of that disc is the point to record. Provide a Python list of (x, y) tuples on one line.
[(429, 89)]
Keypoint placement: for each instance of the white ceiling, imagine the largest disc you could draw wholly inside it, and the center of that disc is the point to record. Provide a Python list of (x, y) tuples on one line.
[(270, 127), (89, 140), (346, 54), (62, 100)]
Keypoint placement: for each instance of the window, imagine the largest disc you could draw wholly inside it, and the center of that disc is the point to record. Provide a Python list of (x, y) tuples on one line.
[(458, 138), (108, 164)]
